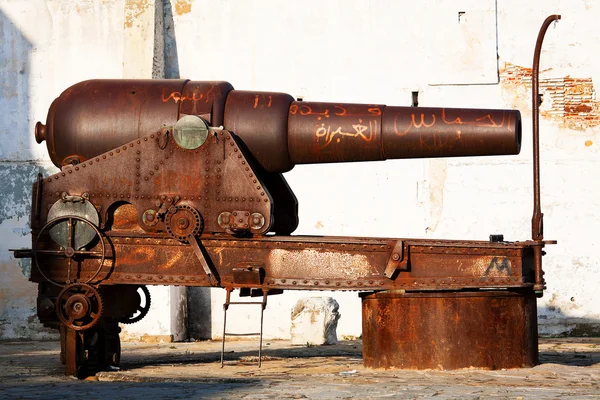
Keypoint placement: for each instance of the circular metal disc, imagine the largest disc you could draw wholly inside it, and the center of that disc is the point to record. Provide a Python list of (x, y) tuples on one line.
[(183, 221), (83, 234), (190, 132)]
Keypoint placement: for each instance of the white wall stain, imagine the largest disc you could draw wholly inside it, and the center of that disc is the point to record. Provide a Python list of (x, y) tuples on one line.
[(437, 173)]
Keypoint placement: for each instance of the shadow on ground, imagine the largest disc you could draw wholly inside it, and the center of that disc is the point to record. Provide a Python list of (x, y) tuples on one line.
[(570, 367)]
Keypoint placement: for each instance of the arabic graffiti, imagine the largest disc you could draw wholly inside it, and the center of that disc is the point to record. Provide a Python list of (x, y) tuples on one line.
[(363, 132), (339, 111), (179, 97), (428, 120), (257, 98), (307, 110), (341, 121)]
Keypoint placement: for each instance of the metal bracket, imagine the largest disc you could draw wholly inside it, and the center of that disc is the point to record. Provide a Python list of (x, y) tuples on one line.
[(66, 198), (166, 204), (163, 139), (248, 275), (210, 272), (394, 262)]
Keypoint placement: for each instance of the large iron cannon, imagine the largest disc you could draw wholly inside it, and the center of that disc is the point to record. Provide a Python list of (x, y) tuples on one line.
[(176, 182), (93, 117)]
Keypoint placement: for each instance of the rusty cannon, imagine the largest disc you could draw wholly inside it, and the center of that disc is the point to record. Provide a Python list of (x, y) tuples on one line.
[(177, 182)]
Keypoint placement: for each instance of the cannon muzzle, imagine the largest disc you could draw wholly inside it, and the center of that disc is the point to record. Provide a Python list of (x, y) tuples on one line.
[(93, 117)]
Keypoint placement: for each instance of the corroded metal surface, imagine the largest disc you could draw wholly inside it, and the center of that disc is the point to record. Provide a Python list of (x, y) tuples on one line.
[(299, 262), (93, 117), (450, 330)]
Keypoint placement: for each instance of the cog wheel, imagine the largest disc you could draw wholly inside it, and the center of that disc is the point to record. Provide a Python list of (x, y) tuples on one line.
[(182, 221), (141, 310), (79, 306)]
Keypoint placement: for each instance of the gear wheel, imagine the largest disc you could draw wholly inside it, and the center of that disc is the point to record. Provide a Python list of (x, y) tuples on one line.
[(141, 310), (182, 221), (71, 250), (79, 306)]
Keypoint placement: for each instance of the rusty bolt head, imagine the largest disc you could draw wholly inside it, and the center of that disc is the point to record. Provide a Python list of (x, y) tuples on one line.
[(149, 217), (225, 219), (69, 252), (257, 220), (395, 256)]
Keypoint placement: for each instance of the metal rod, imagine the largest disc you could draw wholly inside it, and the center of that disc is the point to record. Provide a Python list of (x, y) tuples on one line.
[(537, 220), (225, 307), (38, 196), (243, 334), (537, 226), (262, 312), (70, 246)]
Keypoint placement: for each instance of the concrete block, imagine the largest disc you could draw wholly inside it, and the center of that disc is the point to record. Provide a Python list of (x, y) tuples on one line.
[(314, 321)]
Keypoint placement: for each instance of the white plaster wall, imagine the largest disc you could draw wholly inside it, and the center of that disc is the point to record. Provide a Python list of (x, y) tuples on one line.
[(352, 51)]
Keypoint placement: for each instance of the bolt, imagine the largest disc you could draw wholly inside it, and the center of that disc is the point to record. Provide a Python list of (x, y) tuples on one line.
[(183, 223), (395, 256)]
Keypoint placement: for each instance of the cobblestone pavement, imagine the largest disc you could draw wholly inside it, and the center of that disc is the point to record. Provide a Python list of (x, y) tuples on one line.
[(32, 370)]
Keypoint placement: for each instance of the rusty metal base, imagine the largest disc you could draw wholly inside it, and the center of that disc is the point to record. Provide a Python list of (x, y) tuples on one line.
[(449, 330)]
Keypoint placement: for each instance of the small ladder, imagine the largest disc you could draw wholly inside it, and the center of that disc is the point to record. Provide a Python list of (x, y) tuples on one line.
[(226, 305)]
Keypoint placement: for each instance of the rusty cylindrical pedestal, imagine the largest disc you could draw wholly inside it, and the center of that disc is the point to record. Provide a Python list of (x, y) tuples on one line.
[(449, 330)]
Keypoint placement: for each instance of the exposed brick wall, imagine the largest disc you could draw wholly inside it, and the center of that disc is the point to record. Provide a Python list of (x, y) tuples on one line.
[(569, 100)]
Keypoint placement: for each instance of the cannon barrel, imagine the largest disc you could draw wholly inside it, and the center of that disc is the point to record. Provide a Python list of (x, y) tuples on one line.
[(96, 116)]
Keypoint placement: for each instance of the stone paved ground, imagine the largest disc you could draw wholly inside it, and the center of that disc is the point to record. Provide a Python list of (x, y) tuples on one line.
[(32, 370)]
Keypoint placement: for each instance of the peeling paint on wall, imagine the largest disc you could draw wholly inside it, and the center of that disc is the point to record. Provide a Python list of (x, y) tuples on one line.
[(183, 7), (18, 295), (25, 265), (15, 188), (134, 9), (571, 101)]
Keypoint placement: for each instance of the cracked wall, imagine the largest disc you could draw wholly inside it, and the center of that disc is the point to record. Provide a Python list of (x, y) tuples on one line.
[(570, 101)]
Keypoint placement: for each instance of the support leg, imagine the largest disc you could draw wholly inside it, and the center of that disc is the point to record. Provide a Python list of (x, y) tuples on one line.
[(73, 347)]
